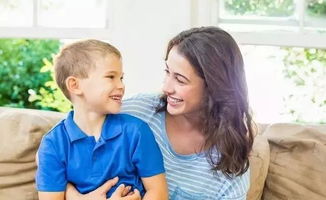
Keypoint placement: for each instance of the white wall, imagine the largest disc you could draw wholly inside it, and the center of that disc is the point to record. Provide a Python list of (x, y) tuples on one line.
[(142, 35)]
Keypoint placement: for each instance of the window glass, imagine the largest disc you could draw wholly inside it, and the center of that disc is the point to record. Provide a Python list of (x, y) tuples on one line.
[(16, 13), (72, 13), (266, 8), (316, 13), (286, 84)]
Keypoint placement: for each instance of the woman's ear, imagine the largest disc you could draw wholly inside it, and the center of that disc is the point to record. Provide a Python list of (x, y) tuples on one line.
[(73, 85)]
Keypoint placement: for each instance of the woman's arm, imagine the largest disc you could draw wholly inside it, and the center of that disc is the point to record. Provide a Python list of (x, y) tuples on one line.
[(156, 187), (100, 192)]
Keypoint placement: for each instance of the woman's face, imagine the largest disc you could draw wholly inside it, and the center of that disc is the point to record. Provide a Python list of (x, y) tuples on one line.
[(184, 89)]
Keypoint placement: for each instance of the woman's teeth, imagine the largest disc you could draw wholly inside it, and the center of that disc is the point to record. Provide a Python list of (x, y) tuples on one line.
[(174, 100)]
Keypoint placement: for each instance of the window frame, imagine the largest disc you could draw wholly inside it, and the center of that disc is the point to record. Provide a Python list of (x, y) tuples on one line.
[(37, 31), (297, 33)]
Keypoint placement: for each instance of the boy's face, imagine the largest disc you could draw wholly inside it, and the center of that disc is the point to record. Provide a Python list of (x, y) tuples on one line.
[(103, 89)]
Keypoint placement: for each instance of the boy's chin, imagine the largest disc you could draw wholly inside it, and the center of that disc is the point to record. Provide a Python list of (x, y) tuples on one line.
[(113, 111)]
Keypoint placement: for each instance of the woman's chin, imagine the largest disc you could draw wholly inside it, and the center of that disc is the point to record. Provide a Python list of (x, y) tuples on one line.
[(173, 111)]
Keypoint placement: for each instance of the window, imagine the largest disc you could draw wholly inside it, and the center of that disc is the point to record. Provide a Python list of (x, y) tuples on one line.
[(274, 22), (54, 18), (286, 84), (283, 43)]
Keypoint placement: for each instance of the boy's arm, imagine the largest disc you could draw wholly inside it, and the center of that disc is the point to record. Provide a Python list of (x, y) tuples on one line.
[(50, 175), (156, 187), (51, 195)]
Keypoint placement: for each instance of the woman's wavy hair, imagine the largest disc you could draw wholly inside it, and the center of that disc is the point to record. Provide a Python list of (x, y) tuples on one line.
[(228, 124)]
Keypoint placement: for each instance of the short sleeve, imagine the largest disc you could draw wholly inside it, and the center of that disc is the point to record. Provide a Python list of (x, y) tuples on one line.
[(147, 156), (51, 172)]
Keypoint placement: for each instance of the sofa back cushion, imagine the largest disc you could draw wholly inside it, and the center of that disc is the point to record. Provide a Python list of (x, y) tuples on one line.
[(21, 131), (297, 167), (259, 161)]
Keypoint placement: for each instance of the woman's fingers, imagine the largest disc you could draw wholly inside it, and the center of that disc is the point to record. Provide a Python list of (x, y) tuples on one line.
[(134, 196), (118, 194), (107, 185), (126, 191)]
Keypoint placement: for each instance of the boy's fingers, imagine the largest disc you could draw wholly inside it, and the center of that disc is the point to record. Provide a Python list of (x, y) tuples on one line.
[(108, 185)]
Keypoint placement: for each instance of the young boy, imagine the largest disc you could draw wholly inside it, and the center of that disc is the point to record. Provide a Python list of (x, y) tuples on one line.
[(94, 144)]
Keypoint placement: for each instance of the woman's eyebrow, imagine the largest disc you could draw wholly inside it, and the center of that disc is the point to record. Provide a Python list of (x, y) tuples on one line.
[(177, 74), (167, 66)]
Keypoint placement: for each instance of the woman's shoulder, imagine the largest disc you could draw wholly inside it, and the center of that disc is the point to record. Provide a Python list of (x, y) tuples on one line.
[(141, 102), (143, 106), (151, 98)]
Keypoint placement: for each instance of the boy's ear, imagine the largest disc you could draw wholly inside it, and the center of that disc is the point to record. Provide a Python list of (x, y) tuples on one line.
[(73, 86)]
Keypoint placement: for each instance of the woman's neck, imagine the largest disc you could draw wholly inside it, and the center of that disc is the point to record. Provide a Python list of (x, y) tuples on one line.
[(188, 122), (185, 133)]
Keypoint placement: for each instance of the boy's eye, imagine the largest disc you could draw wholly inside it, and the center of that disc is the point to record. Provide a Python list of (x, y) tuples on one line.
[(110, 77), (167, 71), (121, 78)]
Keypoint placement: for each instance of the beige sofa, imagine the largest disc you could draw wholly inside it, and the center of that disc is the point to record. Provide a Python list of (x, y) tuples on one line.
[(288, 160)]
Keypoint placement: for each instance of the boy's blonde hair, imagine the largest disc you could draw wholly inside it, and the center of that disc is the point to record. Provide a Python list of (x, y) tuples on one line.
[(78, 58)]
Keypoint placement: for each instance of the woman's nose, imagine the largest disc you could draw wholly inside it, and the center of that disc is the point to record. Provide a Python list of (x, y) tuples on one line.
[(167, 85)]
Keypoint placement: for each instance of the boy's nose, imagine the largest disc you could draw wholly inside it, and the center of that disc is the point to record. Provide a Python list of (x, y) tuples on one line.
[(120, 84)]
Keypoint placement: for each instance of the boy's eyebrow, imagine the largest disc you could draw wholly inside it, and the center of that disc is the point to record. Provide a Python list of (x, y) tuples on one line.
[(113, 72), (108, 72), (177, 74)]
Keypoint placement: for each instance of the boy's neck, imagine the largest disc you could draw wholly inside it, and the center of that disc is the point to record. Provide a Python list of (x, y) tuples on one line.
[(89, 122)]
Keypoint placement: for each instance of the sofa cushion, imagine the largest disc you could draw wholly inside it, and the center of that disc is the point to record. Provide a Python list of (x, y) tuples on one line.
[(298, 162), (21, 132), (259, 161)]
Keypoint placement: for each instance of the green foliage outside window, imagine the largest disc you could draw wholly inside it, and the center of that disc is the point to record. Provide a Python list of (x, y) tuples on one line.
[(273, 8), (278, 8), (49, 95), (23, 84), (316, 8), (305, 69)]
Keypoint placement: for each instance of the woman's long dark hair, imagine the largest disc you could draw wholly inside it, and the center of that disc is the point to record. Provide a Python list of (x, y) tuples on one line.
[(228, 125)]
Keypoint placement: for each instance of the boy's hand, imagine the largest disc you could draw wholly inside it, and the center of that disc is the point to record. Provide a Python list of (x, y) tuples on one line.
[(121, 192)]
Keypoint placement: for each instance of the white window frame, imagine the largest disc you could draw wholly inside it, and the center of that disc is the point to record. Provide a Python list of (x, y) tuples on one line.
[(36, 31), (300, 36)]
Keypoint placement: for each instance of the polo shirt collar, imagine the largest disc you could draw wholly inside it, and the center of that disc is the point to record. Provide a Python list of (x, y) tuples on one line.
[(112, 126), (74, 132)]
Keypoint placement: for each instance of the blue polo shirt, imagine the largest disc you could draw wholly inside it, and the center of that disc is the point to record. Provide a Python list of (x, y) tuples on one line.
[(126, 148)]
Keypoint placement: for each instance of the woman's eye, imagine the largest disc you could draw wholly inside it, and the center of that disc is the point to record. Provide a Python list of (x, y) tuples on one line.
[(121, 78), (180, 81), (167, 71)]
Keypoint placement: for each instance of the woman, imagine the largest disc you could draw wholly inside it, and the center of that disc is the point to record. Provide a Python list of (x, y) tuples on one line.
[(201, 122)]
